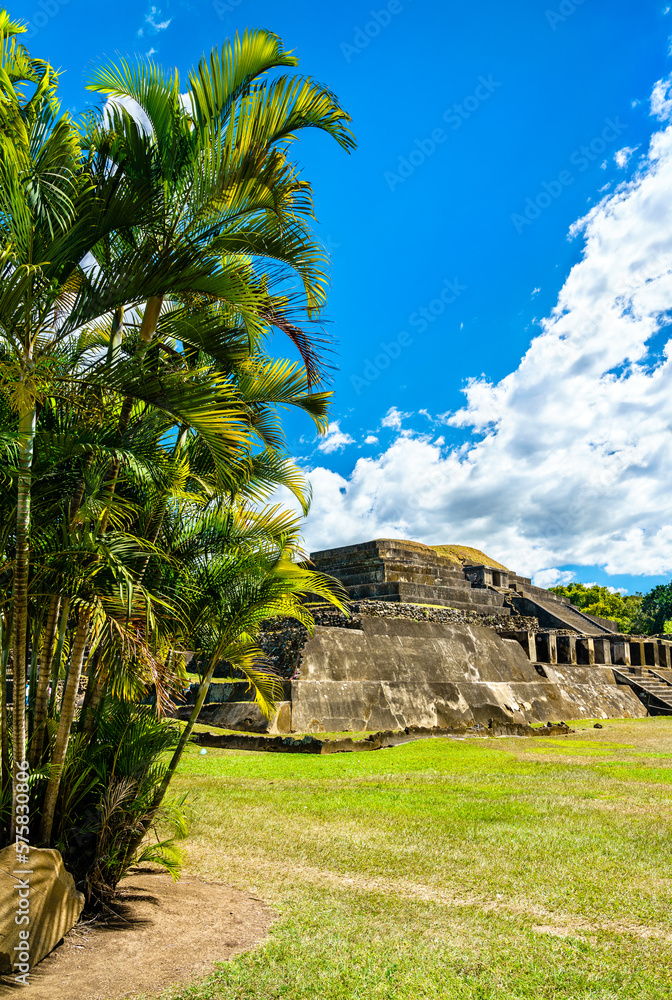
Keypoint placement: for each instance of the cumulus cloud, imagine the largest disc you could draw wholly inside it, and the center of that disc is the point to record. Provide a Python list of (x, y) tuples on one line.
[(566, 460), (335, 439), (393, 418), (370, 439), (661, 99), (552, 577), (622, 156)]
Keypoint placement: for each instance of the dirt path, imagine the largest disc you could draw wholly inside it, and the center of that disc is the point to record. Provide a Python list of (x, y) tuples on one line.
[(172, 934)]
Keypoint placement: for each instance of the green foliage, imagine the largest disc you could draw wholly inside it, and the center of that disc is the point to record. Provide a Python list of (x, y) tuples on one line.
[(140, 431), (516, 869), (635, 614), (624, 609), (106, 791), (657, 609)]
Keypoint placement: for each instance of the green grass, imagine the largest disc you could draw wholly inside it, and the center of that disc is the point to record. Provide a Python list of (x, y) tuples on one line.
[(448, 868)]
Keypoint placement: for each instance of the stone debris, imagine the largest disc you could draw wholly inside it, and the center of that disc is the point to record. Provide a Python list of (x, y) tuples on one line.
[(374, 741)]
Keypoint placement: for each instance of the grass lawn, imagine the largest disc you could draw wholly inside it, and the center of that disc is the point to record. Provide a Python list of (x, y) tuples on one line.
[(473, 868)]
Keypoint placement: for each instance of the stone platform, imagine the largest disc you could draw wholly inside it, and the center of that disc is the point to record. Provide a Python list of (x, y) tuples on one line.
[(394, 673), (403, 572), (390, 569)]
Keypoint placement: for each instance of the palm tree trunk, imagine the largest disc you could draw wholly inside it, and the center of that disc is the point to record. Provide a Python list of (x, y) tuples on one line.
[(32, 681), (58, 655), (95, 689), (44, 674), (27, 421), (174, 760), (68, 709), (4, 719)]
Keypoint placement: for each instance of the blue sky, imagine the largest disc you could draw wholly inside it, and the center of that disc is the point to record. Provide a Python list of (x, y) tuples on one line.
[(469, 116)]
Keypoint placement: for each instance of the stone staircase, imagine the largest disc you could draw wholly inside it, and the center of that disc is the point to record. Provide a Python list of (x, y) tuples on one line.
[(552, 610), (651, 687), (406, 572)]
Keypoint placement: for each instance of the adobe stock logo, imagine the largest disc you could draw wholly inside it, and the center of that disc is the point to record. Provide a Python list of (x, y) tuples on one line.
[(222, 9), (565, 10), (454, 116), (581, 158), (41, 18), (420, 320), (363, 36)]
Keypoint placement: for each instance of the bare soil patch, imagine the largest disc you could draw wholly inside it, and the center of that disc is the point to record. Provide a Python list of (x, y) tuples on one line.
[(167, 934)]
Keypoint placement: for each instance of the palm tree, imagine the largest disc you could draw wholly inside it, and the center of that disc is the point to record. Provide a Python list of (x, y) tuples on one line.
[(142, 270), (227, 198)]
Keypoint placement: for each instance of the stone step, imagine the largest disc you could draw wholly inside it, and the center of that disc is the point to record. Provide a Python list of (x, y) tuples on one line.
[(466, 606), (378, 574), (563, 613), (413, 593)]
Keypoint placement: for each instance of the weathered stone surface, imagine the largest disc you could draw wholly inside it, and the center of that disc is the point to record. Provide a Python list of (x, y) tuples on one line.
[(394, 674), (244, 716), (54, 905), (375, 741), (398, 571)]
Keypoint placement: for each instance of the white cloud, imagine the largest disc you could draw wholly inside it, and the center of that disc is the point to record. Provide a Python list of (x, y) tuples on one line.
[(370, 439), (153, 24), (622, 156), (568, 459), (661, 99), (553, 578), (151, 52), (134, 109), (334, 440), (535, 291), (393, 418)]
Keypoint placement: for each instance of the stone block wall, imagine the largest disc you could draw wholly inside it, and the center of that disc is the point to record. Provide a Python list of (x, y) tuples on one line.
[(394, 673)]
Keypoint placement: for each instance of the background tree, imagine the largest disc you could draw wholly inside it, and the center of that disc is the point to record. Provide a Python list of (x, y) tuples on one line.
[(657, 609), (624, 609)]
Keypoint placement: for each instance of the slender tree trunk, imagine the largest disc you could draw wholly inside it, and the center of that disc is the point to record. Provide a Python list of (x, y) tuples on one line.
[(58, 656), (68, 709), (95, 689), (42, 693), (21, 572), (174, 760), (4, 719), (32, 683)]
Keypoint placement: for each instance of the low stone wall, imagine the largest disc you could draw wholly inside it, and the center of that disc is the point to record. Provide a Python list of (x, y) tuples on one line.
[(393, 673), (242, 716), (394, 666), (283, 639)]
